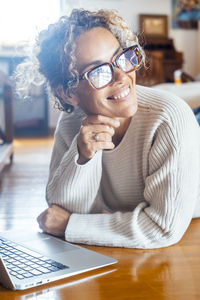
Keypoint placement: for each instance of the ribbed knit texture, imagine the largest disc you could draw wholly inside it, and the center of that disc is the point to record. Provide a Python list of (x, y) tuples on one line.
[(150, 183)]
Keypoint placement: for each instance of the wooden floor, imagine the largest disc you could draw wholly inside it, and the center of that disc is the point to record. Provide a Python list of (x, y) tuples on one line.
[(22, 184)]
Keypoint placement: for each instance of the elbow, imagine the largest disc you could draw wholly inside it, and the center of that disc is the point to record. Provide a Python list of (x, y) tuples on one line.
[(172, 236)]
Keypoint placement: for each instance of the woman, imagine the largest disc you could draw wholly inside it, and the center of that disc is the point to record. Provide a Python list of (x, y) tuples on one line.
[(125, 165)]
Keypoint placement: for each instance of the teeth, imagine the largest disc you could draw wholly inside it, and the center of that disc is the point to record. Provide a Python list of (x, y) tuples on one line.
[(123, 94)]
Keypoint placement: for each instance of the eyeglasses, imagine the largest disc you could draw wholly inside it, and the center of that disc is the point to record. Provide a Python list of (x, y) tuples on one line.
[(129, 60)]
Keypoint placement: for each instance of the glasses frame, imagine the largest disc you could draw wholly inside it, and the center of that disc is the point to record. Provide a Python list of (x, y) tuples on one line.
[(112, 65)]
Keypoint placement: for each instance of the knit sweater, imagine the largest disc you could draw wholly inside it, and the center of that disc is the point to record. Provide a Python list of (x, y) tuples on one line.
[(149, 183)]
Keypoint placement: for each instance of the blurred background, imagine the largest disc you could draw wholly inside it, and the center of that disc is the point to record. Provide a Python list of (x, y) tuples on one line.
[(168, 31)]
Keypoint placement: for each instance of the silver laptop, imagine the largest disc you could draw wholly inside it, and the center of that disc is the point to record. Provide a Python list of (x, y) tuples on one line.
[(30, 259)]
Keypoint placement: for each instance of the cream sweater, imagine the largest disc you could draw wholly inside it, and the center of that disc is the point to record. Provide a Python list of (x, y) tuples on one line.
[(150, 183)]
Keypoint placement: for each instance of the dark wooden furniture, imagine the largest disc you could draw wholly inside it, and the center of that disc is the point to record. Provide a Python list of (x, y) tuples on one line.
[(6, 122), (162, 59)]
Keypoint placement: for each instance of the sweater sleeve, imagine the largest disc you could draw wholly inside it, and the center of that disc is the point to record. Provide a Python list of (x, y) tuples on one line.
[(170, 194), (70, 185)]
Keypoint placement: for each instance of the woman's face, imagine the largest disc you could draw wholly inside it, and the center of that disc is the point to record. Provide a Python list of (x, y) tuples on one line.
[(118, 99)]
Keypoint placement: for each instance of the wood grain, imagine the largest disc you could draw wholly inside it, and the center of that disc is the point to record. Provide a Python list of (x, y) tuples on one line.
[(167, 273)]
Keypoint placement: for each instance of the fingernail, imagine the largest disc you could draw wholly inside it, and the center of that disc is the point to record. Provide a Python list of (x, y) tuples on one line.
[(117, 123)]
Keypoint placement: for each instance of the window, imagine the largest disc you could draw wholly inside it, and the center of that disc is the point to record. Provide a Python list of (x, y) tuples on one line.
[(21, 20)]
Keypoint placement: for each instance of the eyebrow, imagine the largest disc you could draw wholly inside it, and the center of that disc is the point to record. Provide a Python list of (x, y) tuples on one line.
[(97, 62)]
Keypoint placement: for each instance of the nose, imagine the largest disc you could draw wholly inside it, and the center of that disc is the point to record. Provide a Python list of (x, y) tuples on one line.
[(119, 75)]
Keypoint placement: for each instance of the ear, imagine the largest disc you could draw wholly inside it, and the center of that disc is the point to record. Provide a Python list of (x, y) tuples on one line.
[(66, 97)]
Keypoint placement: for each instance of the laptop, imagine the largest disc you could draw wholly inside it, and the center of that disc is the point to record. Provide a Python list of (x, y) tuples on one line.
[(29, 259)]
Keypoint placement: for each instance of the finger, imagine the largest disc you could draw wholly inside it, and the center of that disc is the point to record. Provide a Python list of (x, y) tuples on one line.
[(99, 119), (90, 150), (45, 229), (41, 225), (103, 146), (101, 137), (43, 217), (40, 217), (87, 132), (97, 137)]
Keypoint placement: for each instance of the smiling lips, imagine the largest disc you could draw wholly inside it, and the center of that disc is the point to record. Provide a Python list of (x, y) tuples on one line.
[(121, 95)]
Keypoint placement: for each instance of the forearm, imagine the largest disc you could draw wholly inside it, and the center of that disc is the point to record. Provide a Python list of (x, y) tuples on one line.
[(74, 186), (160, 220), (131, 230)]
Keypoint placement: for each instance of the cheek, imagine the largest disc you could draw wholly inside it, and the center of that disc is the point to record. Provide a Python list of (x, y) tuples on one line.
[(89, 99), (132, 76), (90, 96)]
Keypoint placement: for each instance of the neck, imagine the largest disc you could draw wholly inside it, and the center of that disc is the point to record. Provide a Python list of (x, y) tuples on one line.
[(121, 130)]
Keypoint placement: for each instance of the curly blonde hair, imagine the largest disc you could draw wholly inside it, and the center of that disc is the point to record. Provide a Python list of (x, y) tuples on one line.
[(54, 60)]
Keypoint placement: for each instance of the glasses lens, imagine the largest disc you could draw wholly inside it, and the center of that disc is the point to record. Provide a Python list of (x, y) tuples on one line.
[(129, 60), (100, 76)]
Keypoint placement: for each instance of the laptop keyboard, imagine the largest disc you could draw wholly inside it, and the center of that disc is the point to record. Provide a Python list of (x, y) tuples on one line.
[(24, 263)]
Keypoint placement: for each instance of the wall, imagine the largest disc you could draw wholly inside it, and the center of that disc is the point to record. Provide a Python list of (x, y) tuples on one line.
[(184, 40)]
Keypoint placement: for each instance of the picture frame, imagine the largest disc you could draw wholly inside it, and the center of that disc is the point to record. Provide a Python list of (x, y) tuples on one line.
[(154, 26), (185, 14)]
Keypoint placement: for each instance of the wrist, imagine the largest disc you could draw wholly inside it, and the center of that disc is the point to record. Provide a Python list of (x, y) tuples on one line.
[(82, 160)]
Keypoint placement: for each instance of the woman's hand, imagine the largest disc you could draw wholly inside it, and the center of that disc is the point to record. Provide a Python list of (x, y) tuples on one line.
[(95, 134), (54, 220)]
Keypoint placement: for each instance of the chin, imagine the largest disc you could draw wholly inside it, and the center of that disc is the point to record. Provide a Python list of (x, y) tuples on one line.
[(128, 111)]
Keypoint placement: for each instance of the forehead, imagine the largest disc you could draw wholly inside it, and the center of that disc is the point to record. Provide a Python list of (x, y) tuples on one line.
[(96, 44)]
